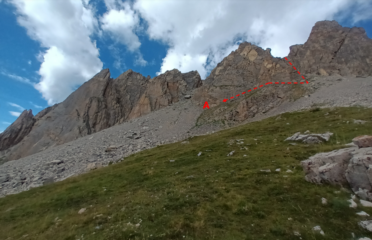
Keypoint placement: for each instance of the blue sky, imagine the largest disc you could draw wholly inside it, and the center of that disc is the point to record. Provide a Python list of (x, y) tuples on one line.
[(49, 48)]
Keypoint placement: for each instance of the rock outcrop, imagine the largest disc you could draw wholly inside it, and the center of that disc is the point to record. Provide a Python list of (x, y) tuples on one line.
[(98, 104), (17, 131), (247, 67), (330, 50), (310, 137), (333, 49), (351, 166)]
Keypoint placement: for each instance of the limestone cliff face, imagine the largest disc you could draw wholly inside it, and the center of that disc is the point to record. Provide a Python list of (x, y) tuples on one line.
[(18, 130), (164, 90), (332, 49), (98, 104), (247, 67)]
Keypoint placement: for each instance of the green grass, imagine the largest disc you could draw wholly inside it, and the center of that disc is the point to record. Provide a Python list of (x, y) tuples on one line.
[(227, 198)]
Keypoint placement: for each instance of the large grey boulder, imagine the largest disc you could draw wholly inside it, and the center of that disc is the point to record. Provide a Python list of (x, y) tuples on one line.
[(328, 167), (352, 166)]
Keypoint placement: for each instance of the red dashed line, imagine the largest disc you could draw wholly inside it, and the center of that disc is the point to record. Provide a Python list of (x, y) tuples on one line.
[(275, 82)]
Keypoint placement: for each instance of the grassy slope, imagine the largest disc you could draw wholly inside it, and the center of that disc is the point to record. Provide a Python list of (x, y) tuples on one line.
[(228, 198)]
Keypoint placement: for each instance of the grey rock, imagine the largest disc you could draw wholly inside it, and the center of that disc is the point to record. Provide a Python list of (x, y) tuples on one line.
[(366, 225), (310, 138), (17, 130), (363, 141)]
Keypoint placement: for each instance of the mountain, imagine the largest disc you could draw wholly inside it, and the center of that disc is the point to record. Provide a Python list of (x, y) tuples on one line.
[(103, 102), (98, 104)]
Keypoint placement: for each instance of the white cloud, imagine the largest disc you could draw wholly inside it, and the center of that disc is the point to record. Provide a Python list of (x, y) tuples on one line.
[(16, 106), (15, 114), (36, 106), (64, 28), (139, 61), (29, 62), (120, 22), (362, 10), (17, 78), (6, 123), (201, 34)]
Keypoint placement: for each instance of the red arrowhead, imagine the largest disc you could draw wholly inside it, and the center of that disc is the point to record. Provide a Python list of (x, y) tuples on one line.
[(225, 100)]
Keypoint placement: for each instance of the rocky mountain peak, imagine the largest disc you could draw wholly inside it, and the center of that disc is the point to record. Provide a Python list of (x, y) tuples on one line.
[(17, 130), (334, 50)]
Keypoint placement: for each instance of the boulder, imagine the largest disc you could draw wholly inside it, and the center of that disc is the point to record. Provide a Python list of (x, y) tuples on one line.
[(110, 148), (310, 138), (352, 166), (366, 225), (365, 203), (327, 167), (82, 210), (363, 141)]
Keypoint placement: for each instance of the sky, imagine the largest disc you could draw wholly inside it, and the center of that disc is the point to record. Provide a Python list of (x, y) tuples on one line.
[(50, 48)]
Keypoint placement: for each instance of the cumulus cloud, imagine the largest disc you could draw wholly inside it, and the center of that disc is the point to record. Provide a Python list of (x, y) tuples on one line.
[(16, 106), (201, 34), (122, 23), (139, 61), (15, 114), (63, 28)]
